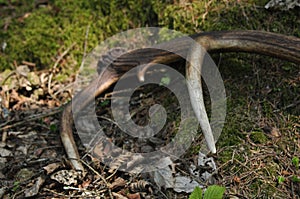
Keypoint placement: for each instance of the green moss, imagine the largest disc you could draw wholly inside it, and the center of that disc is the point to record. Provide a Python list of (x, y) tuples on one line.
[(61, 77), (194, 149), (4, 76), (258, 137), (266, 190), (48, 31), (202, 16), (225, 156)]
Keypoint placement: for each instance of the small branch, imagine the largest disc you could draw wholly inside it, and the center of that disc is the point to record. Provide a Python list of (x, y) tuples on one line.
[(84, 48), (54, 67), (26, 120)]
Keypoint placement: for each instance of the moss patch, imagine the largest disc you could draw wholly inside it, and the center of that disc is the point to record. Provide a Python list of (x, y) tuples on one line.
[(258, 137)]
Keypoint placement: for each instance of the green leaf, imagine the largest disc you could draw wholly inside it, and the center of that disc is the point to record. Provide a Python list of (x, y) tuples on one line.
[(196, 194), (295, 161), (104, 103), (215, 192), (53, 127), (295, 179), (165, 81), (281, 179), (16, 186)]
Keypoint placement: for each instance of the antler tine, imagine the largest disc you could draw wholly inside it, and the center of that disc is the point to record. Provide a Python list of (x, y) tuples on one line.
[(193, 77)]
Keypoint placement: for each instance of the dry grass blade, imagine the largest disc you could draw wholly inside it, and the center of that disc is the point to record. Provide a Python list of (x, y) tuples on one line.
[(55, 65)]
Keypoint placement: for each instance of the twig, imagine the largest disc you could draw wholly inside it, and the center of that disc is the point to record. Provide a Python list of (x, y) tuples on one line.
[(63, 89), (25, 120), (288, 106), (84, 48), (7, 77), (54, 67), (82, 63), (102, 178), (115, 171)]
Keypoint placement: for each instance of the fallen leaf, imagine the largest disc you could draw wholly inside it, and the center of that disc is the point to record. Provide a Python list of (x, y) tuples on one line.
[(286, 173), (163, 177), (236, 179), (118, 196), (24, 174), (185, 184), (23, 70), (52, 167), (34, 190), (66, 177), (119, 182), (134, 196), (5, 152), (85, 184), (275, 132)]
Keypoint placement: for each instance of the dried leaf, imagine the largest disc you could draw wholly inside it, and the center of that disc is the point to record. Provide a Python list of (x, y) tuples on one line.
[(23, 70), (203, 160), (118, 196), (85, 184), (66, 177), (134, 196), (2, 191), (5, 152), (24, 174), (275, 132), (283, 4), (163, 177), (34, 190), (52, 167), (236, 179), (140, 185), (119, 182), (185, 184), (119, 162)]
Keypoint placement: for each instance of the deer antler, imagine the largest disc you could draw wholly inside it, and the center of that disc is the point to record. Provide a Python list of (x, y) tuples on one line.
[(193, 77), (271, 44)]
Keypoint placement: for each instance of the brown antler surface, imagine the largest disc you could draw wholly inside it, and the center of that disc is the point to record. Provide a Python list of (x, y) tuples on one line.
[(271, 44)]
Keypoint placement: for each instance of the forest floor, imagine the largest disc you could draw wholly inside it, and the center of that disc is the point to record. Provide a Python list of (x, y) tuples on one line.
[(257, 154)]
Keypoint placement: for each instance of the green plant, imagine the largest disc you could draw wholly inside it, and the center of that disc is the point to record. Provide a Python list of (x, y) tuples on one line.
[(214, 191), (53, 127), (295, 179), (196, 193), (258, 137), (281, 179), (104, 103), (40, 35), (165, 81), (16, 186), (295, 162)]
